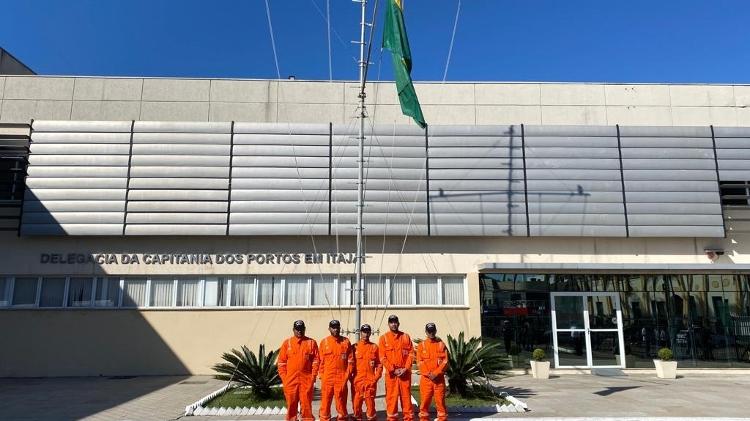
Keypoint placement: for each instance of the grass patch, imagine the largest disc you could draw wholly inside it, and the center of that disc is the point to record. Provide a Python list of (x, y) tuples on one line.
[(242, 397), (458, 401)]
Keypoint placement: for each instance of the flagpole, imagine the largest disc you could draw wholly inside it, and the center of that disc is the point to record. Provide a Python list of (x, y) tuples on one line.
[(361, 172)]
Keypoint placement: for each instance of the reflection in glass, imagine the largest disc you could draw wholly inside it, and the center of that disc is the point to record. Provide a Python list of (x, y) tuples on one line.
[(605, 349), (602, 312), (704, 318), (569, 312), (571, 348)]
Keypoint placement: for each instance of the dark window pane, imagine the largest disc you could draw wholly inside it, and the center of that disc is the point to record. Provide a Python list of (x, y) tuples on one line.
[(53, 290), (24, 291)]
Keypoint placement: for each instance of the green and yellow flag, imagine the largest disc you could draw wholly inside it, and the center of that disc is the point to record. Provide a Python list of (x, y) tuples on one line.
[(394, 39)]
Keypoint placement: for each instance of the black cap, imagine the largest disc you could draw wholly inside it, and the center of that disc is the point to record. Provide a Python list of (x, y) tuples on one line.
[(365, 328), (334, 323), (298, 325), (430, 327), (392, 318)]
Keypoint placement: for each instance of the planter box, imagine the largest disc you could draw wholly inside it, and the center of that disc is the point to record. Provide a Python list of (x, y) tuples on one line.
[(540, 369), (666, 369)]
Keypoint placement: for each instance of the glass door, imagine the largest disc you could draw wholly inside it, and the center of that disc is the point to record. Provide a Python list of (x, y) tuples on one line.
[(587, 330)]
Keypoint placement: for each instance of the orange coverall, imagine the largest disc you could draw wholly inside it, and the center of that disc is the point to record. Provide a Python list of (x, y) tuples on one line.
[(336, 365), (432, 357), (367, 373), (298, 367), (397, 351)]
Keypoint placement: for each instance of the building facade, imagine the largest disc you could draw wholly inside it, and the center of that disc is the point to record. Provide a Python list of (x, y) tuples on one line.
[(152, 224)]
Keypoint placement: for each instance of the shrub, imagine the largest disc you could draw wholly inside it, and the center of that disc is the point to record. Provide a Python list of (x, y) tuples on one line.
[(514, 350), (243, 367), (665, 354), (538, 355), (471, 365)]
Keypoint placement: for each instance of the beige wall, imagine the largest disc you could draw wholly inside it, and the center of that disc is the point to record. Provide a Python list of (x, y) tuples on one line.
[(151, 341), (40, 343), (422, 255), (168, 99)]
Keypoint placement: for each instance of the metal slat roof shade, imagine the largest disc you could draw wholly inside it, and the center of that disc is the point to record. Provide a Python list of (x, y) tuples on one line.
[(172, 178)]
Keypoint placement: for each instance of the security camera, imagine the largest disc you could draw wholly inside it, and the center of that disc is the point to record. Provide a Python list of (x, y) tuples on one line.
[(713, 253)]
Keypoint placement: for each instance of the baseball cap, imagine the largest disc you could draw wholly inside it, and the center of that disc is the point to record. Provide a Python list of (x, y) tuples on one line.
[(392, 318), (430, 327), (365, 327), (334, 323), (298, 325)]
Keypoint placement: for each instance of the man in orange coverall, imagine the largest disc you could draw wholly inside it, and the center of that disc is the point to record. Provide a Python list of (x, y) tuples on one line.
[(367, 373), (397, 355), (298, 367), (336, 365), (432, 360)]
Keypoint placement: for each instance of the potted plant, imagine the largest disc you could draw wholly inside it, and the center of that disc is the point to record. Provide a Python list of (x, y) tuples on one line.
[(665, 367), (539, 367)]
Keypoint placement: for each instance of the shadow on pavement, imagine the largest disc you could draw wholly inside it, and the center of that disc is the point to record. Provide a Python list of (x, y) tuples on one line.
[(610, 390), (75, 398)]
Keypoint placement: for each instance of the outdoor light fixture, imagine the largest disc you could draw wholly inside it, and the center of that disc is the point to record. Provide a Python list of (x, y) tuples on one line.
[(713, 253)]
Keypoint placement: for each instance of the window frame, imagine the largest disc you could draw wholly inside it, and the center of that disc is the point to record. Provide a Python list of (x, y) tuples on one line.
[(339, 282)]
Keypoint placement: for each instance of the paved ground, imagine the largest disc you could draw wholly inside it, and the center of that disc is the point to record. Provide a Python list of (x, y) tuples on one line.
[(631, 397)]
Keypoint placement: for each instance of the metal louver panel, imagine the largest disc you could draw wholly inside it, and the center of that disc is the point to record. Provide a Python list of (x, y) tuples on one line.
[(395, 181), (286, 168), (476, 181), (172, 178), (77, 180), (649, 157), (574, 181), (179, 198)]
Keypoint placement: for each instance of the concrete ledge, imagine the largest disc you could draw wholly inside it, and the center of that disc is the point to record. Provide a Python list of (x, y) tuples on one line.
[(640, 371)]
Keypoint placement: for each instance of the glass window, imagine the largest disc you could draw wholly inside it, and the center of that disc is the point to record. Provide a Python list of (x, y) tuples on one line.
[(188, 293), (375, 294), (715, 283), (79, 292), (657, 283), (107, 292), (215, 293), (401, 291), (4, 289), (323, 290), (24, 291), (296, 291), (345, 291), (687, 283), (566, 282), (427, 290), (162, 292), (453, 291), (243, 292), (134, 292), (734, 283), (633, 283), (531, 282), (269, 292), (53, 290)]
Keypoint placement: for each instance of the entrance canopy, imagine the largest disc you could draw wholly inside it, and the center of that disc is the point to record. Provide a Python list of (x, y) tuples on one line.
[(612, 267)]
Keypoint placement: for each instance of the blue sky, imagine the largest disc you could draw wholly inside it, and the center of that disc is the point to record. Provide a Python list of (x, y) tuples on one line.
[(519, 40)]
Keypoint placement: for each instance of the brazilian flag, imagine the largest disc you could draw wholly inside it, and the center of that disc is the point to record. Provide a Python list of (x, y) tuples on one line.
[(394, 39)]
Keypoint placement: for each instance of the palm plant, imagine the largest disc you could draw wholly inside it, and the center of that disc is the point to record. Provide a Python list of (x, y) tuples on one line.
[(243, 367), (471, 365)]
